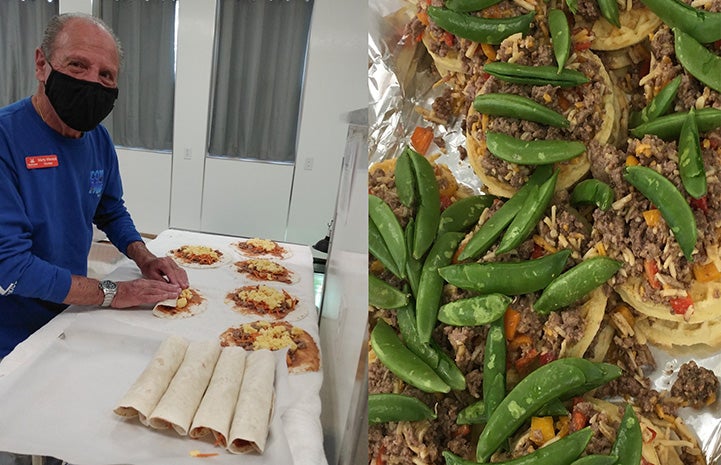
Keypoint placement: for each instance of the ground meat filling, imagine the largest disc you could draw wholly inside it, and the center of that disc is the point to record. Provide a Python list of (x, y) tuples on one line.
[(627, 236), (697, 386)]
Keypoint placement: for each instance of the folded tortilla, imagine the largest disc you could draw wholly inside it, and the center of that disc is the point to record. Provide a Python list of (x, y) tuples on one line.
[(249, 429), (142, 397), (216, 409), (181, 400)]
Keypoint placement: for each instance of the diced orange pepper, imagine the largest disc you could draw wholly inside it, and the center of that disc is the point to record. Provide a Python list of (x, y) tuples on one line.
[(625, 312), (423, 18), (522, 364), (421, 139), (631, 160), (520, 340), (706, 273), (489, 51), (544, 425), (578, 420), (652, 217), (511, 319)]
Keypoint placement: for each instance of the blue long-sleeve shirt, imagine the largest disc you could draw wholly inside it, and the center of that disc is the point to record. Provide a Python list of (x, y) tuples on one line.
[(46, 215)]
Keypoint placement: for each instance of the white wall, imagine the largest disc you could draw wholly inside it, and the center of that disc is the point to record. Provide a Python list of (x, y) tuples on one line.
[(163, 190)]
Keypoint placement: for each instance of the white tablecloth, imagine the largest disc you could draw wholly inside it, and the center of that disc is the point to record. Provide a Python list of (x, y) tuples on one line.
[(59, 387)]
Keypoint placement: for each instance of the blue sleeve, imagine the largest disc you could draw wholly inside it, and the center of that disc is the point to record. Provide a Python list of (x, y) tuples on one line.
[(21, 272)]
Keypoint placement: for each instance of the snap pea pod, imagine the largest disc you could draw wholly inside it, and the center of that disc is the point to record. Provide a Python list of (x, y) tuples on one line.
[(413, 266), (383, 295), (532, 152), (609, 10), (673, 206), (703, 64), (390, 230), (668, 127), (518, 106), (383, 408), (378, 248), (492, 229), (406, 365), (431, 284), (592, 191), (428, 213), (526, 221), (509, 278), (561, 452), (560, 36), (463, 213), (629, 442), (494, 367), (474, 311), (596, 459), (430, 353), (405, 179), (535, 75), (475, 413), (690, 162), (464, 6), (658, 105), (574, 284), (704, 26), (477, 29), (597, 374)]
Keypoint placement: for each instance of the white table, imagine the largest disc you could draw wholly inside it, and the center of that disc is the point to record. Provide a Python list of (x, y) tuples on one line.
[(58, 388)]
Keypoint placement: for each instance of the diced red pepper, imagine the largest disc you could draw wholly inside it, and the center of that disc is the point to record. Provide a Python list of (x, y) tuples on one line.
[(378, 460), (523, 363), (680, 305), (448, 39), (462, 430), (651, 269), (538, 251), (650, 436), (546, 357), (446, 201), (700, 204), (578, 46), (578, 420)]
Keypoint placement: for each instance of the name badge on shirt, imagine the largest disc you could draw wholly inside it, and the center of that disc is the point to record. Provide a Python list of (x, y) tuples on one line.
[(41, 161)]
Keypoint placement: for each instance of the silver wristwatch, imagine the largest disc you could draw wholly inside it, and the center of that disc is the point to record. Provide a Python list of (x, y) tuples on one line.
[(109, 289)]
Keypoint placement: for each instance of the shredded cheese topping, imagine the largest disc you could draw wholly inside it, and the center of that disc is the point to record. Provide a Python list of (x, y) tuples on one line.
[(263, 244), (266, 294)]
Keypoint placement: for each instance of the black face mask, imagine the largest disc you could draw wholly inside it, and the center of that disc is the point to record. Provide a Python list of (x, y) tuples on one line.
[(82, 105)]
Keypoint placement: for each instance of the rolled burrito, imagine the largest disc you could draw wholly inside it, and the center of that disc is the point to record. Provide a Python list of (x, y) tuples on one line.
[(216, 409), (179, 403), (142, 397), (249, 429)]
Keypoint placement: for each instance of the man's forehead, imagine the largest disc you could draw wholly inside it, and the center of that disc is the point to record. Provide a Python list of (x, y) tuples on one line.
[(80, 36)]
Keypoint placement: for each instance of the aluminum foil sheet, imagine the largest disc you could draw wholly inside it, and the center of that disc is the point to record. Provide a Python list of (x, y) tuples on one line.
[(400, 79)]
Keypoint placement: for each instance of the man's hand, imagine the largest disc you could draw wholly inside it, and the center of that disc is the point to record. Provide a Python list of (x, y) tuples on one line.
[(160, 269), (143, 291)]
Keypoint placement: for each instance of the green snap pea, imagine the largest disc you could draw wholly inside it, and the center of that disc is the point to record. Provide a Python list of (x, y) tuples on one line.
[(474, 311), (594, 192), (383, 295), (539, 387), (597, 374), (430, 353), (535, 75), (690, 162), (572, 6), (464, 213), (464, 6), (483, 239), (532, 152), (526, 221), (494, 367), (609, 10), (629, 442), (413, 266), (574, 284), (406, 365), (390, 230), (472, 414), (704, 26), (658, 105), (383, 408), (673, 206), (596, 459), (560, 36), (509, 278), (430, 286), (405, 179), (518, 106), (668, 127), (378, 248), (477, 29), (428, 213), (554, 408), (703, 64)]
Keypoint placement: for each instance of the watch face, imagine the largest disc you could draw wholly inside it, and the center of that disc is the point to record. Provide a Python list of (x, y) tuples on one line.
[(109, 285)]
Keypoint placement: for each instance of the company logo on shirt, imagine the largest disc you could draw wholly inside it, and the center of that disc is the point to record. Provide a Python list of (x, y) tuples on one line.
[(96, 182), (9, 289)]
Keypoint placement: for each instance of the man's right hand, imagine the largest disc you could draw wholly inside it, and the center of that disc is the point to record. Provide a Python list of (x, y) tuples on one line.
[(143, 291)]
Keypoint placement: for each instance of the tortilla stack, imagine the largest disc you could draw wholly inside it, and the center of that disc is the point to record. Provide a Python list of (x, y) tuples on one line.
[(142, 397), (249, 429), (216, 409), (179, 403)]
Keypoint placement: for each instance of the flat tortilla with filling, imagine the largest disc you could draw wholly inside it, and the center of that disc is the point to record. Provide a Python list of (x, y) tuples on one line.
[(199, 256), (254, 409), (636, 25), (262, 269), (189, 303), (265, 301), (256, 247)]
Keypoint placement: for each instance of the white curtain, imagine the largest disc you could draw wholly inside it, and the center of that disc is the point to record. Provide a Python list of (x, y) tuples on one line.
[(22, 24), (259, 67), (143, 114)]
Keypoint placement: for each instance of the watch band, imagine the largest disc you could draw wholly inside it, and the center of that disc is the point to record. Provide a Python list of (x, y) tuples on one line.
[(109, 289)]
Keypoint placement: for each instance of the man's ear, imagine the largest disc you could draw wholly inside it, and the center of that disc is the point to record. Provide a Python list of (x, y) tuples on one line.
[(40, 62)]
